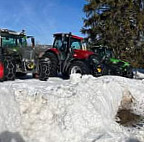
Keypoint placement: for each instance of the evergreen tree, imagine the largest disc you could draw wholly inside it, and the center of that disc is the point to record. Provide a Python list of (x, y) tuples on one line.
[(118, 24)]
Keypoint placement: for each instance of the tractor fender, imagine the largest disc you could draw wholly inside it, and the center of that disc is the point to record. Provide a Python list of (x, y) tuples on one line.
[(74, 60), (54, 51), (1, 70)]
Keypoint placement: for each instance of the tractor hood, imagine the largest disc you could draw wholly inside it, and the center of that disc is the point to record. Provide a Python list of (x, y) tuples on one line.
[(117, 61), (82, 54)]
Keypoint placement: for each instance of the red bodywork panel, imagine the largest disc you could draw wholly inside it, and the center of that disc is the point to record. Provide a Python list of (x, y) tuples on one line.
[(77, 37), (1, 70), (54, 50), (82, 54), (78, 54)]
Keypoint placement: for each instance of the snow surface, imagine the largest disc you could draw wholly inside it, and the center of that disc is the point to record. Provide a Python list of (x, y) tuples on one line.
[(139, 73), (81, 109)]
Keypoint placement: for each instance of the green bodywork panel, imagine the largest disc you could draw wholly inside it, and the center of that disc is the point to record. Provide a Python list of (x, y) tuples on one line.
[(13, 50), (116, 61), (110, 57)]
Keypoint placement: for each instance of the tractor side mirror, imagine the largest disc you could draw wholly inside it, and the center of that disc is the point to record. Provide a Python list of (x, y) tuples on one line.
[(71, 50), (33, 42), (0, 41)]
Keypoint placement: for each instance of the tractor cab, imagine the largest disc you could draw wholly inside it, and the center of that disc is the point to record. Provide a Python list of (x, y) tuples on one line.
[(103, 52), (66, 43), (12, 39)]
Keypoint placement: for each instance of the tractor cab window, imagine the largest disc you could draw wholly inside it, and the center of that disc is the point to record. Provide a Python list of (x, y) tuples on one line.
[(109, 53), (61, 46), (8, 42), (21, 41), (13, 41), (101, 52), (76, 44), (58, 43)]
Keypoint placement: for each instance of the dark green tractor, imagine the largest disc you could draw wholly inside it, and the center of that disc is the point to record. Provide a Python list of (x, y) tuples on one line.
[(112, 65), (19, 56)]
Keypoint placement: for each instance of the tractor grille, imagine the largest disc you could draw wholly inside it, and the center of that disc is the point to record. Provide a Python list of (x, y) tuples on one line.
[(28, 54)]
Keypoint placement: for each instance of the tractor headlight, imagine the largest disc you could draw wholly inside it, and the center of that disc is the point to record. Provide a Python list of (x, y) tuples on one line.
[(30, 65), (99, 70)]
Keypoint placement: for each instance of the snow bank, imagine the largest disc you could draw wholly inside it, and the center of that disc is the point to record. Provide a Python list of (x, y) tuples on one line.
[(81, 109), (9, 110), (138, 73)]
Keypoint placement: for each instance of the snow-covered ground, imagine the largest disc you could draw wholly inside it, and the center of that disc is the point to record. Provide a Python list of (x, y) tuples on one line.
[(81, 109), (139, 73)]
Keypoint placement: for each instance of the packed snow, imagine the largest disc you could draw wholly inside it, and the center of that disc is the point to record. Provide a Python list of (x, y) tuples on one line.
[(81, 109)]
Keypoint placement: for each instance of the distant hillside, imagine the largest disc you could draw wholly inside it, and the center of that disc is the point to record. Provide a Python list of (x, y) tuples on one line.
[(42, 48)]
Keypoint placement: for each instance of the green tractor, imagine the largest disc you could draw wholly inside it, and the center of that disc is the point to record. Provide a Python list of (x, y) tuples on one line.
[(112, 65), (18, 56)]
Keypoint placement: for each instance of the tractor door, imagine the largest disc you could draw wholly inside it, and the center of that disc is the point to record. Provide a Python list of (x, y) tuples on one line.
[(61, 45)]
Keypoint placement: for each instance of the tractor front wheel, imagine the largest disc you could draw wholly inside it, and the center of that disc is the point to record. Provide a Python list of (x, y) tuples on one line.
[(44, 69), (53, 63), (129, 73), (78, 67), (9, 69)]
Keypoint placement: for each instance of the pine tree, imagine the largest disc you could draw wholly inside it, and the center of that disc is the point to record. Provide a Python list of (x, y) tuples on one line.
[(118, 24)]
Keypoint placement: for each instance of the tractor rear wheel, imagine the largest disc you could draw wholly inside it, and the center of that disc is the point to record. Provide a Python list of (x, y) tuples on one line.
[(9, 69), (44, 70), (129, 73), (78, 67), (53, 63)]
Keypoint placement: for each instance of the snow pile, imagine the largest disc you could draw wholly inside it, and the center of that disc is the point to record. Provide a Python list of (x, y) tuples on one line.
[(9, 110), (81, 109), (138, 73)]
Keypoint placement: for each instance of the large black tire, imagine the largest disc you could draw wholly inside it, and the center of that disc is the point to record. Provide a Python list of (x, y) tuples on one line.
[(78, 67), (129, 73), (44, 70), (9, 69), (53, 63)]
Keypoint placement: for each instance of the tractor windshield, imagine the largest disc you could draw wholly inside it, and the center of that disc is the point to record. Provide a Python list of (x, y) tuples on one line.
[(103, 52), (109, 53), (13, 41), (58, 43), (76, 43), (63, 43)]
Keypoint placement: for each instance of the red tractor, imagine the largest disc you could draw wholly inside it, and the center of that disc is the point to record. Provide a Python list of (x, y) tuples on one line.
[(67, 57)]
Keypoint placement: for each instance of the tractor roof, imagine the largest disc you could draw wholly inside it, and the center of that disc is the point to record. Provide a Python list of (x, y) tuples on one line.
[(68, 34), (5, 32)]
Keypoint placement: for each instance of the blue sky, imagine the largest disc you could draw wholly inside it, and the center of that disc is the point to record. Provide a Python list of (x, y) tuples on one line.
[(42, 18)]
